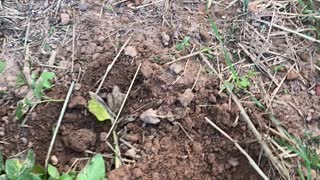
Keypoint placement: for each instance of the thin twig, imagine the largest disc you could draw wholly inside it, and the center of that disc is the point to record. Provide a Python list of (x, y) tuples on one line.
[(289, 30), (251, 161), (145, 5), (189, 55), (73, 45), (58, 125), (111, 65), (197, 78), (124, 101)]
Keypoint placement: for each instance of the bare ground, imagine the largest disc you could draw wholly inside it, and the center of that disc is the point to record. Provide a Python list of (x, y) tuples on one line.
[(182, 145)]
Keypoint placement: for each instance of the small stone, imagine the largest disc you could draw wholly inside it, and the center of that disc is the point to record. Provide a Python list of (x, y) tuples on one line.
[(2, 133), (131, 153), (83, 6), (165, 38), (312, 92), (150, 116), (77, 87), (30, 144), (132, 137), (54, 160), (211, 158), (103, 136), (24, 140), (175, 68), (233, 162), (65, 18), (130, 51), (5, 119), (309, 117)]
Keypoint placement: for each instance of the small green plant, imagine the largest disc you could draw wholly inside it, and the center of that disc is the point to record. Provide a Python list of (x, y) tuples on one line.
[(42, 84), (95, 169), (184, 44), (3, 65), (19, 168), (309, 157), (241, 82), (25, 169), (39, 85), (278, 68), (54, 174)]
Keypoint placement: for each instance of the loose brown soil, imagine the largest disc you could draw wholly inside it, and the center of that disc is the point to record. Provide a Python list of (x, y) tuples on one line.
[(182, 145)]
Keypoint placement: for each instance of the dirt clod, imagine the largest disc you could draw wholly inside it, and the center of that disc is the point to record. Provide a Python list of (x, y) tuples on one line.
[(176, 68), (77, 102), (292, 75), (115, 98), (103, 136), (137, 172), (318, 90), (80, 140), (186, 98), (150, 117)]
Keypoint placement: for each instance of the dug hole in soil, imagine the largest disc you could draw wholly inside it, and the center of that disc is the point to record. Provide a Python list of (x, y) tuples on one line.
[(179, 145)]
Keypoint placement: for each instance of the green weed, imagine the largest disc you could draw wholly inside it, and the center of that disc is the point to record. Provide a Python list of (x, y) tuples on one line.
[(278, 68), (304, 148), (39, 86), (3, 65), (184, 44), (308, 7), (245, 5)]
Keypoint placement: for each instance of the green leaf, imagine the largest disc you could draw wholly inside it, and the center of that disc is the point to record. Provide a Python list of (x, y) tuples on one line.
[(29, 176), (53, 172), (66, 177), (1, 163), (17, 169), (94, 170), (258, 103), (21, 80), (227, 85), (3, 65), (46, 77), (98, 108), (243, 82), (38, 170), (19, 110), (185, 43)]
